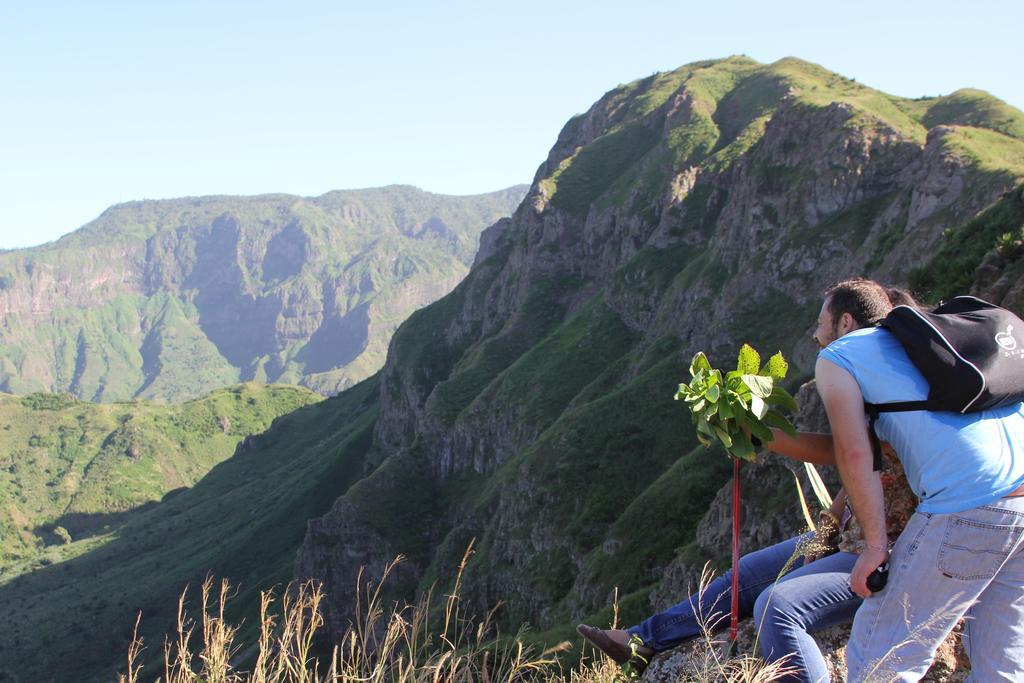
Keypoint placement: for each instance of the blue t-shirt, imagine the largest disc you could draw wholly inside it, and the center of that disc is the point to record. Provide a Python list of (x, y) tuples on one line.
[(954, 462)]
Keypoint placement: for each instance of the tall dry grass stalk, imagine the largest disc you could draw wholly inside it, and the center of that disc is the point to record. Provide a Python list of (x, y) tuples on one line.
[(382, 645), (403, 644)]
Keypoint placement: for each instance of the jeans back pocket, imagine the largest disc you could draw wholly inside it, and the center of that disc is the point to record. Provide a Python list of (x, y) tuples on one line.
[(975, 550)]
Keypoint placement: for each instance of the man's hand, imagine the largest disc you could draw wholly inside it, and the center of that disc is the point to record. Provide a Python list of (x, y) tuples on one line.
[(869, 560)]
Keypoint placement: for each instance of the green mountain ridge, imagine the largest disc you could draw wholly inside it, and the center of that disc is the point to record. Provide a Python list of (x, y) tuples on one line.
[(170, 299), (530, 408)]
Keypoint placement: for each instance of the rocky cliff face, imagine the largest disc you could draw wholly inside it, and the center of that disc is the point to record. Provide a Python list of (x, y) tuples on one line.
[(693, 210), (174, 298)]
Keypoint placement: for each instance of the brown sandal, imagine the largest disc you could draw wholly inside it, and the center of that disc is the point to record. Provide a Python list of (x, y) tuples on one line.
[(620, 654), (626, 656)]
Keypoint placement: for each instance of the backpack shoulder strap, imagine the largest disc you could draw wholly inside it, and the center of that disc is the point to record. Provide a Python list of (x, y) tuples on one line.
[(874, 409)]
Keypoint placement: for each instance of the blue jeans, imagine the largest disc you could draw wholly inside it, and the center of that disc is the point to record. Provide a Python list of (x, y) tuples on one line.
[(808, 598), (944, 567)]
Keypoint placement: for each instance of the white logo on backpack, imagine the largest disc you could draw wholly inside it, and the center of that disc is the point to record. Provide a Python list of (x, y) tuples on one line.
[(1008, 343)]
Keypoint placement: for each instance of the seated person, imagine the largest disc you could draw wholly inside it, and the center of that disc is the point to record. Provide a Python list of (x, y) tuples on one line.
[(814, 595)]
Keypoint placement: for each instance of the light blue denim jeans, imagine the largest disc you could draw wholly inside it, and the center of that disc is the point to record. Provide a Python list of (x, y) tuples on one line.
[(806, 599), (944, 567)]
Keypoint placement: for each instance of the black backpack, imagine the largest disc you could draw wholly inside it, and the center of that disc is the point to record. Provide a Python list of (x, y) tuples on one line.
[(970, 351)]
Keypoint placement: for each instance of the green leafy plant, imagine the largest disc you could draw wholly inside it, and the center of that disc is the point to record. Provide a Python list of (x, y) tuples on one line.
[(731, 407), (1009, 245)]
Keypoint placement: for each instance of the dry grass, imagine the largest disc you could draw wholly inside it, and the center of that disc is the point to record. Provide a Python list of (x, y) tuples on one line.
[(713, 659), (400, 644), (380, 646)]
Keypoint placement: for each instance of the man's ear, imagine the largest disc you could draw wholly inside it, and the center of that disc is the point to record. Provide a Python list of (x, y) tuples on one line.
[(847, 324)]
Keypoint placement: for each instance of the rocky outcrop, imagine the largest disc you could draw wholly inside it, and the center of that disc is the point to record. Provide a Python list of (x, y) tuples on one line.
[(950, 665)]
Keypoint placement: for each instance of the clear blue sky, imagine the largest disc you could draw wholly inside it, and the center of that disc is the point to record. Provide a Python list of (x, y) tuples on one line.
[(106, 102)]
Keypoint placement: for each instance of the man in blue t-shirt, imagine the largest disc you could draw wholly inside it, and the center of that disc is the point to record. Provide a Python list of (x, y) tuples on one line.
[(962, 553)]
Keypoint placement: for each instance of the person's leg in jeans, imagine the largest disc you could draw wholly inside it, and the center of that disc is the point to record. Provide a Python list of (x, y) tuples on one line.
[(813, 597), (942, 565), (994, 628), (758, 570)]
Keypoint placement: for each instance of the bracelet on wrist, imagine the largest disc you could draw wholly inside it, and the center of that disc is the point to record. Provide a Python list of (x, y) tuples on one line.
[(881, 549)]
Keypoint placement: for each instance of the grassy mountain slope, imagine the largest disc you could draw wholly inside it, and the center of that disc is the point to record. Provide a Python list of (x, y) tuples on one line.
[(82, 466), (983, 256), (171, 299), (69, 620)]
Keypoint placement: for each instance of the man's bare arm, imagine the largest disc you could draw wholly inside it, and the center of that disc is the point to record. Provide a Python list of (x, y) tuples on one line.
[(811, 447), (838, 503), (845, 407)]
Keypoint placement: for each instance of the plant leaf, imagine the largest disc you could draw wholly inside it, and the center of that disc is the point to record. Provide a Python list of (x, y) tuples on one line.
[(762, 432), (757, 406), (759, 385), (723, 436), (749, 361), (699, 362), (742, 448), (820, 490), (781, 398), (725, 410), (744, 422), (774, 418), (731, 407), (776, 367), (803, 504)]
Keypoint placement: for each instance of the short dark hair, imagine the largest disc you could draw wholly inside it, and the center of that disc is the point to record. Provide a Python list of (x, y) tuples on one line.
[(898, 296), (865, 300)]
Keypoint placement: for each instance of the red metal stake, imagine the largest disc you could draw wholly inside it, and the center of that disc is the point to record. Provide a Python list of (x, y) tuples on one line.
[(735, 622)]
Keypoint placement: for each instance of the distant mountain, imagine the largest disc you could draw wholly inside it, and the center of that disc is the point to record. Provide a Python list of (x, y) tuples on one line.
[(531, 408), (171, 299)]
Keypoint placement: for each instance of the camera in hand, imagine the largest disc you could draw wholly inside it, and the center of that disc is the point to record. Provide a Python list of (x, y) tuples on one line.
[(877, 579)]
